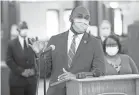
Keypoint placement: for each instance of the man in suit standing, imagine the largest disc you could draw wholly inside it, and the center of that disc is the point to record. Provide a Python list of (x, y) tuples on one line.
[(75, 52), (22, 63)]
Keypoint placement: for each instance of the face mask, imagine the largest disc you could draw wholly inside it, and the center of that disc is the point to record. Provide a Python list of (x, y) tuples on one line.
[(23, 33), (112, 51), (79, 27)]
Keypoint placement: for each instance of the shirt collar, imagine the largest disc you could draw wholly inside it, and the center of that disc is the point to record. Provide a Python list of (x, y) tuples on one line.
[(71, 34), (22, 40)]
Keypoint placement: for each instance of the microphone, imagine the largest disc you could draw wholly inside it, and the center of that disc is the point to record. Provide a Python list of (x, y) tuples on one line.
[(51, 47)]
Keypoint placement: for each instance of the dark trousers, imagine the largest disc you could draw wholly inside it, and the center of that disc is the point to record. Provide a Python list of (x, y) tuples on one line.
[(29, 89)]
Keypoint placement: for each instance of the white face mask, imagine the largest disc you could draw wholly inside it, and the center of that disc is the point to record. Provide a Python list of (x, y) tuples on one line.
[(112, 51), (80, 25), (23, 33)]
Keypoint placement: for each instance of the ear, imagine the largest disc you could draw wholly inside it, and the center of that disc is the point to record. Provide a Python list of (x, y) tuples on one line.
[(70, 19), (18, 29)]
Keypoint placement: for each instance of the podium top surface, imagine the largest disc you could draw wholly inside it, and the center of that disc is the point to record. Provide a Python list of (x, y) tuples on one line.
[(110, 77)]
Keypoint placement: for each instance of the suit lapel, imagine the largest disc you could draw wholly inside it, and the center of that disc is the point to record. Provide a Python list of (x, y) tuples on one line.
[(18, 46), (64, 44), (81, 47)]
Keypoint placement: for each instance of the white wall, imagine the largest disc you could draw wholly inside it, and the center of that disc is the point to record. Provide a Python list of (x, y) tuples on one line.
[(131, 15), (34, 13)]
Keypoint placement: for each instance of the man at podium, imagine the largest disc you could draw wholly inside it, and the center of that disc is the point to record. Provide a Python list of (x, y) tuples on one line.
[(75, 52)]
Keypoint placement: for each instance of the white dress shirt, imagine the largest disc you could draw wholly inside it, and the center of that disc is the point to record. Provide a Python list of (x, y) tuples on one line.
[(77, 40), (21, 40)]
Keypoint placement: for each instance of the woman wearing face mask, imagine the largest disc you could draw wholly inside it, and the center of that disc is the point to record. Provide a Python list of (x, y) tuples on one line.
[(117, 63)]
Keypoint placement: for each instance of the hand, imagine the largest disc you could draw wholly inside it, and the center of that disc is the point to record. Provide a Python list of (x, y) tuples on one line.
[(28, 72), (31, 72), (38, 46), (25, 73), (66, 76)]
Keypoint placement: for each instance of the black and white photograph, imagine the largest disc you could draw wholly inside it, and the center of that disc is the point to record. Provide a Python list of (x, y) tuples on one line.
[(69, 47)]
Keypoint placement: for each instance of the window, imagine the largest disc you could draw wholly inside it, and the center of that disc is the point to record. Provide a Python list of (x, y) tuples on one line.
[(118, 25), (52, 22), (67, 23)]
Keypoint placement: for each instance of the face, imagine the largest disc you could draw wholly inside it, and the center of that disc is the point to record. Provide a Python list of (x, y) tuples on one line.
[(23, 33), (111, 47), (80, 19), (105, 30), (80, 25)]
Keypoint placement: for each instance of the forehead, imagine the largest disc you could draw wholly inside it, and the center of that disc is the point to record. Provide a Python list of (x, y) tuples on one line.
[(105, 25), (80, 11), (111, 41)]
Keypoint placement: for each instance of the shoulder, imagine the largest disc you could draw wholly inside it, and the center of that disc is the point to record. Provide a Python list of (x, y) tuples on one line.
[(11, 42), (95, 40), (125, 56), (59, 35)]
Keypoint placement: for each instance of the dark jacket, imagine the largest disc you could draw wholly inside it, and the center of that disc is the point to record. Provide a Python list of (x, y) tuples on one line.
[(18, 61), (89, 57)]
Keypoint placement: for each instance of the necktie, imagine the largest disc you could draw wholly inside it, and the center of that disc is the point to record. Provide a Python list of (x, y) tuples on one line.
[(72, 51), (25, 46)]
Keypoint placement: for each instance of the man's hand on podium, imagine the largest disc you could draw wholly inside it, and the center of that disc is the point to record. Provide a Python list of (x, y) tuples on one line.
[(66, 76)]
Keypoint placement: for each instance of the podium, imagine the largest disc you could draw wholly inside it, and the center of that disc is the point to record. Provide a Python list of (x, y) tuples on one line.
[(105, 85)]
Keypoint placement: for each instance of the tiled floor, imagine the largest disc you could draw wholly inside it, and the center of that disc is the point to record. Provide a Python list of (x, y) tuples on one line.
[(41, 87)]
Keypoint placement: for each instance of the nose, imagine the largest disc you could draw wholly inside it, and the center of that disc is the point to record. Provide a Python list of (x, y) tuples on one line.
[(84, 21)]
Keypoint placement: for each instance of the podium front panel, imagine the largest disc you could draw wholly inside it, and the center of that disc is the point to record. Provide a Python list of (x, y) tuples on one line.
[(128, 86)]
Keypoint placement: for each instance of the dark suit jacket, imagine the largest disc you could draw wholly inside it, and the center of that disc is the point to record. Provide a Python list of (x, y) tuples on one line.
[(18, 61), (88, 57)]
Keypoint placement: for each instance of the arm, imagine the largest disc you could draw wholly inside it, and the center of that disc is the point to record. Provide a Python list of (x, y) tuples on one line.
[(133, 66), (98, 65), (11, 63)]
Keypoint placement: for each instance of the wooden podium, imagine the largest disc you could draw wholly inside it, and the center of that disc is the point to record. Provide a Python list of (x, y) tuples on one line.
[(105, 85)]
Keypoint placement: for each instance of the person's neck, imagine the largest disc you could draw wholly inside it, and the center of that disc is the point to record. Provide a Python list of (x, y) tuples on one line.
[(113, 57), (71, 28), (22, 37), (102, 38)]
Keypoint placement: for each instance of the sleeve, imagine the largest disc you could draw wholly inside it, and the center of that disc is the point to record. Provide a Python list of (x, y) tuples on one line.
[(98, 63), (11, 63), (133, 66), (48, 60)]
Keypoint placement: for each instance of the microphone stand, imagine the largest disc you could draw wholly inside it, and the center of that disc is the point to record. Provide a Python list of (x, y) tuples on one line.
[(44, 80), (44, 74)]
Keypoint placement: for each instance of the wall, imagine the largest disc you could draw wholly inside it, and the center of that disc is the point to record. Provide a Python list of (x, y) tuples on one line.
[(34, 13)]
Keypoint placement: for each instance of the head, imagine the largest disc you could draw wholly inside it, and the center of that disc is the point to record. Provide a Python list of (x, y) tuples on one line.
[(111, 46), (79, 19), (105, 29), (22, 29)]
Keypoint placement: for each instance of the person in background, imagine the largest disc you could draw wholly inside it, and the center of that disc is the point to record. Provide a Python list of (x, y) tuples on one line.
[(75, 52), (115, 62), (105, 30), (22, 62), (14, 32)]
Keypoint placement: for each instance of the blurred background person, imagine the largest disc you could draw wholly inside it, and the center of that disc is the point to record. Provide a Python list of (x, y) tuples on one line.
[(14, 32), (117, 63), (105, 29), (21, 61)]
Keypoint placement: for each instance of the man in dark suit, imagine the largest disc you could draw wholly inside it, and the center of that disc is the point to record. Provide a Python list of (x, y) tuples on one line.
[(75, 52), (22, 63)]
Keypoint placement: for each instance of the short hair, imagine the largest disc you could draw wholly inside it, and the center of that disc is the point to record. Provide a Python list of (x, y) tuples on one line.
[(115, 38), (22, 25), (105, 21), (79, 10)]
